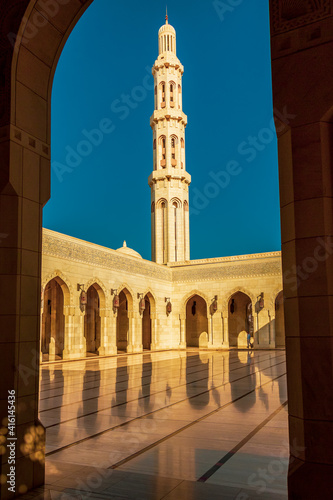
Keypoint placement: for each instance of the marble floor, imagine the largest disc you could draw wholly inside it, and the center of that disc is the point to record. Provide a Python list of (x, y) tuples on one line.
[(170, 425)]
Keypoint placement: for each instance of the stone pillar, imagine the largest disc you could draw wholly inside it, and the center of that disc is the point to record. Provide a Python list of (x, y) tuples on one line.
[(154, 344), (210, 331), (74, 341), (108, 345), (131, 331), (136, 333), (52, 350), (182, 339), (271, 329), (21, 202), (225, 323), (302, 72)]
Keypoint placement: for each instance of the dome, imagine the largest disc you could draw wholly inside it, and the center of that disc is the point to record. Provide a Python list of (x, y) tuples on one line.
[(167, 28), (128, 251)]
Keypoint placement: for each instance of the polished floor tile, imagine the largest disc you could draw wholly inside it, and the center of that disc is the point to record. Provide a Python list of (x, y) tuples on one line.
[(166, 425)]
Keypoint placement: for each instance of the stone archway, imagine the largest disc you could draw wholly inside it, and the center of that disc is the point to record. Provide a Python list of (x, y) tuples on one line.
[(53, 319), (147, 325), (239, 310), (92, 319), (123, 321), (280, 336), (196, 322)]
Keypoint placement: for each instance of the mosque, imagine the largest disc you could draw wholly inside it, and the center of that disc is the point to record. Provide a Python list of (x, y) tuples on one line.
[(99, 301)]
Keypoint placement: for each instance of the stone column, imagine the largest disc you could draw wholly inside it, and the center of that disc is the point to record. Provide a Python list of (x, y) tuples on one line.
[(74, 341), (136, 333), (182, 339), (210, 331), (271, 329), (108, 344), (302, 72), (154, 344), (225, 323)]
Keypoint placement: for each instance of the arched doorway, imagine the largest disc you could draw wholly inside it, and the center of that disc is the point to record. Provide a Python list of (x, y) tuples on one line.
[(123, 322), (280, 337), (53, 319), (92, 320), (196, 322), (239, 310), (146, 325)]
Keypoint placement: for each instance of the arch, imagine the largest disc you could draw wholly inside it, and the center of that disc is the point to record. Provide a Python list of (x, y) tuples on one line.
[(100, 289), (123, 321), (244, 290), (196, 323), (176, 201), (92, 317), (65, 284), (162, 150), (188, 296), (162, 92), (53, 317), (147, 321), (174, 148), (160, 202), (172, 91), (240, 321), (129, 294), (152, 298)]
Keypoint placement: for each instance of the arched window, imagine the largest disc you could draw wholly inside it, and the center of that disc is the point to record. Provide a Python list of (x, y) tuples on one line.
[(162, 150), (182, 153), (172, 100), (174, 147), (163, 95), (179, 96)]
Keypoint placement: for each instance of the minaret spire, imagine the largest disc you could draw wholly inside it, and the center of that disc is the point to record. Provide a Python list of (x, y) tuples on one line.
[(169, 181), (166, 17)]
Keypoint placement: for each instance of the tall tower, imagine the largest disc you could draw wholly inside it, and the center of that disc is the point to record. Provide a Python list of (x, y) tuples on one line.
[(169, 181)]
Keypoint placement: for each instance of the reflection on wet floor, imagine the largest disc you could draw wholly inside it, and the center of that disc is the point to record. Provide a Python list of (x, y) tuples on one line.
[(167, 425)]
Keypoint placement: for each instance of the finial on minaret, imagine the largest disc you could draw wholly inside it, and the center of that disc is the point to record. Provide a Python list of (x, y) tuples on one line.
[(166, 17), (124, 244)]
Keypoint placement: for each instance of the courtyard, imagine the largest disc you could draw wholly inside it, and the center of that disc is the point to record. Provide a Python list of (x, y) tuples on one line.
[(166, 425)]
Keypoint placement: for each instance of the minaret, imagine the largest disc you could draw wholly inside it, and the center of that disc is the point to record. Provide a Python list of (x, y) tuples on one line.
[(169, 181)]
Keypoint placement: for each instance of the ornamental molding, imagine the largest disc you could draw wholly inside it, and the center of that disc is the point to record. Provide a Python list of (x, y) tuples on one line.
[(287, 15), (66, 247)]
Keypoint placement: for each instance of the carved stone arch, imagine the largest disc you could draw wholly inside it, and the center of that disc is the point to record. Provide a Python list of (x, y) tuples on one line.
[(64, 283), (160, 202), (176, 200), (153, 302), (227, 297), (273, 297), (101, 290), (129, 294), (188, 296)]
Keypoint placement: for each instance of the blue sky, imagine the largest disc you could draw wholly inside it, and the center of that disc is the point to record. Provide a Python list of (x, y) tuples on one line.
[(99, 187)]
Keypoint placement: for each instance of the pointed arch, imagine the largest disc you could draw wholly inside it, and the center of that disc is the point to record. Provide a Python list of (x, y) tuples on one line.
[(64, 283), (129, 294), (189, 296), (237, 289), (101, 290), (152, 299)]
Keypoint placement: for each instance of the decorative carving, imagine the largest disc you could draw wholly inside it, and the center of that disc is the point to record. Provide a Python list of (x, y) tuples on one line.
[(290, 14)]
